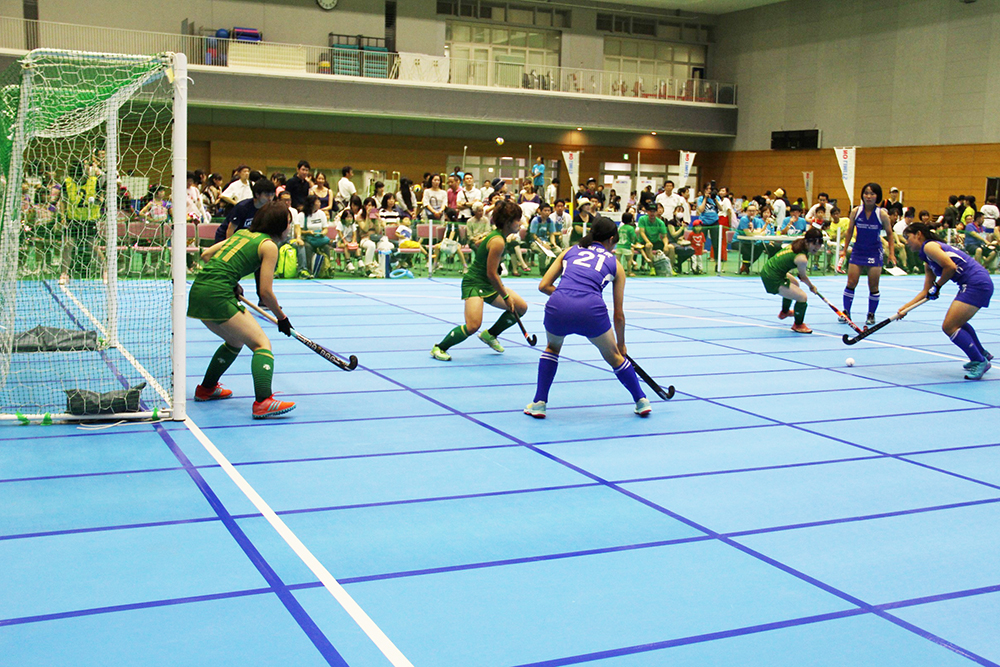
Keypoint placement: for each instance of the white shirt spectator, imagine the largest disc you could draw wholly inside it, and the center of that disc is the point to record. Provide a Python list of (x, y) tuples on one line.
[(195, 206), (297, 216), (345, 190), (317, 222), (990, 215), (670, 203), (779, 207), (551, 193), (812, 211), (727, 211), (436, 199), (467, 197), (528, 209), (898, 228), (238, 191)]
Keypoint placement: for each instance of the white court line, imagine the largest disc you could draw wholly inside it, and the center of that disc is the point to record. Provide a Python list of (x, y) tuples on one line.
[(157, 387), (366, 624)]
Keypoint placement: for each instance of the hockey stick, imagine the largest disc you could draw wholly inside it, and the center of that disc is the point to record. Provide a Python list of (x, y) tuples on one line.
[(870, 330), (349, 365), (657, 389), (841, 313), (531, 338)]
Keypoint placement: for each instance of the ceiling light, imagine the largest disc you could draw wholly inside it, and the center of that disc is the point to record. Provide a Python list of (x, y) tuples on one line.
[(653, 133), (579, 129)]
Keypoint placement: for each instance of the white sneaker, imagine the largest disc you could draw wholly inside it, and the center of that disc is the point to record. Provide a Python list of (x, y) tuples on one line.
[(350, 266), (642, 407), (536, 409)]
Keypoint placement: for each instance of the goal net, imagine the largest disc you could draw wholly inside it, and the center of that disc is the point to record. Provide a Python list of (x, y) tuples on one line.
[(91, 266)]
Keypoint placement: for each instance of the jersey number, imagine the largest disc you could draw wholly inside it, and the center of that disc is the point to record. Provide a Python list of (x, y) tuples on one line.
[(585, 257)]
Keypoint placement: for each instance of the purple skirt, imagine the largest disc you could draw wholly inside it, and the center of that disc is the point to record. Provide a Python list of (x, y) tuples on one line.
[(976, 293), (581, 313)]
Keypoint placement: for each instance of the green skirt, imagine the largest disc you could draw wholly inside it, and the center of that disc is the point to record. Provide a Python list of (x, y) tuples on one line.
[(212, 303)]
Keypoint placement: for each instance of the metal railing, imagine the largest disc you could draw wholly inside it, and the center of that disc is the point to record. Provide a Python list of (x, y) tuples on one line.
[(18, 34)]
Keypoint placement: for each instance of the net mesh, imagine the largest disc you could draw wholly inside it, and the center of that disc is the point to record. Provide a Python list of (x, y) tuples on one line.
[(85, 153)]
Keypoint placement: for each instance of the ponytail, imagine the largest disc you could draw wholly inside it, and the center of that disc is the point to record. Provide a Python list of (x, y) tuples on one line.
[(601, 230)]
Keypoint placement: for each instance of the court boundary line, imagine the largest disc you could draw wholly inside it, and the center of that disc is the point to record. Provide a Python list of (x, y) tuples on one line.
[(357, 614)]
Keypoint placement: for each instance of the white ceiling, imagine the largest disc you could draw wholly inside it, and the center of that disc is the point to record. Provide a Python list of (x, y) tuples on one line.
[(694, 6)]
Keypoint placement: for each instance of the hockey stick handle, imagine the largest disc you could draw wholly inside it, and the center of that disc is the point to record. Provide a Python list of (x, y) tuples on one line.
[(348, 365)]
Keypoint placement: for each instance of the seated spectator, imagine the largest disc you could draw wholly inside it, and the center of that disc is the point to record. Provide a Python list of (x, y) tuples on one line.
[(628, 243), (563, 221), (371, 229), (279, 181), (239, 190), (795, 224), (543, 234), (321, 189), (314, 226), (406, 200), (294, 238), (975, 238), (478, 226), (211, 194), (435, 200), (676, 228), (751, 224), (347, 231)]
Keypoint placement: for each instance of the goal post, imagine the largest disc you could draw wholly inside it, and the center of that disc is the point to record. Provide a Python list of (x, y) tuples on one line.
[(93, 234)]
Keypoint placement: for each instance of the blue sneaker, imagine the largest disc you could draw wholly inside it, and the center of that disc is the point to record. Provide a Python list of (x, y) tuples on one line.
[(978, 370), (969, 365)]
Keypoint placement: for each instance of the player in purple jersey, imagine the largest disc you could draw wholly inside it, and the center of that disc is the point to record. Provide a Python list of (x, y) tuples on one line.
[(576, 306), (975, 287), (868, 220)]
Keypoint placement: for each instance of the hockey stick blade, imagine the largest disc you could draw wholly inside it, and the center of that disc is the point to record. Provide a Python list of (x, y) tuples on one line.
[(870, 330), (531, 338)]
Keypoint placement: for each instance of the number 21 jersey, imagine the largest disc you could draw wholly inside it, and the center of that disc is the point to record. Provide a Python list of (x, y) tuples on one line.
[(587, 269)]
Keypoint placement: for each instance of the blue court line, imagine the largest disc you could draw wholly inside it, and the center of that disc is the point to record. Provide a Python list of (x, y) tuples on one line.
[(728, 541), (291, 603), (103, 529)]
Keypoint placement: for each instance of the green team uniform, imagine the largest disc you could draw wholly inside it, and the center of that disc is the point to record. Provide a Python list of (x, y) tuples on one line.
[(212, 297), (475, 282), (626, 237), (654, 230), (775, 271)]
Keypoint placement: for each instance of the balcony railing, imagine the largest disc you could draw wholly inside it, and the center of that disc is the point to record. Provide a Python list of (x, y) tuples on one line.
[(22, 35)]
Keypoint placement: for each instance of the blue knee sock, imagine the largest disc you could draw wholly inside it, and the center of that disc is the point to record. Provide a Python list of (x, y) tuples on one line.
[(873, 302), (967, 328), (848, 300), (626, 375), (548, 364), (967, 344)]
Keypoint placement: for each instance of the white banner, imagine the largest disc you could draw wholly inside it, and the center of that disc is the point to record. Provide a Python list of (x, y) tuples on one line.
[(623, 187), (845, 158), (572, 159), (687, 160), (807, 178)]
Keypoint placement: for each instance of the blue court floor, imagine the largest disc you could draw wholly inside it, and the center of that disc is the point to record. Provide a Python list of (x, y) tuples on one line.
[(782, 510)]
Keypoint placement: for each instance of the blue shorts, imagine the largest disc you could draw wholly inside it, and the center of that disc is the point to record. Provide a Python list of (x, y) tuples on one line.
[(867, 259), (976, 293), (576, 313)]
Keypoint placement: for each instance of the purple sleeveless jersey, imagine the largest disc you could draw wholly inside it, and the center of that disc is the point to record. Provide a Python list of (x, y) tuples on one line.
[(577, 306), (975, 287), (867, 250)]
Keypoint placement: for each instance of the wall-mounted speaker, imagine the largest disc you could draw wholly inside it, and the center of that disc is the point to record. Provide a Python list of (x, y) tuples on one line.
[(794, 140)]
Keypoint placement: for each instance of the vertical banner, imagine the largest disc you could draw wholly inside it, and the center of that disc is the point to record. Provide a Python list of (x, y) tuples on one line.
[(687, 159), (623, 186), (807, 178), (572, 159), (845, 158)]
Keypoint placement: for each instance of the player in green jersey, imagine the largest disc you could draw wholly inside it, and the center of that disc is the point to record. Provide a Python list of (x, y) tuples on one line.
[(778, 279), (482, 284), (213, 300)]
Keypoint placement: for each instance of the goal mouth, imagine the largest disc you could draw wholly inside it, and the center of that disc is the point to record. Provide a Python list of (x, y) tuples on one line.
[(90, 155)]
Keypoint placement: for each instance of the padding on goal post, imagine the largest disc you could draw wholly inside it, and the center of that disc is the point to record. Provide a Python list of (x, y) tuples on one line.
[(92, 236)]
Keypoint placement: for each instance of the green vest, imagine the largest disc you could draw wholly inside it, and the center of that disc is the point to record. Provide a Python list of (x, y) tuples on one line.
[(81, 202)]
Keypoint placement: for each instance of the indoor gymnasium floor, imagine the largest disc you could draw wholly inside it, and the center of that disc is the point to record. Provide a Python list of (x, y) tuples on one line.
[(782, 509)]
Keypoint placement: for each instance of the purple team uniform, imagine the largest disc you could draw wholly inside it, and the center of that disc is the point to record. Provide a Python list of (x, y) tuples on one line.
[(975, 287), (577, 306), (867, 250)]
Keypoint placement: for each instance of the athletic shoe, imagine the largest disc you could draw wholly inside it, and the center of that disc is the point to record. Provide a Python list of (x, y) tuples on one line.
[(970, 364), (262, 306), (870, 320), (350, 266), (440, 354), (216, 394), (978, 369), (642, 407), (801, 328), (305, 275), (841, 319), (536, 409), (271, 407), (785, 313), (491, 340)]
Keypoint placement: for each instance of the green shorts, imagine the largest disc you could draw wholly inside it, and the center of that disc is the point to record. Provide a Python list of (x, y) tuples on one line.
[(771, 286), (212, 304), (471, 288)]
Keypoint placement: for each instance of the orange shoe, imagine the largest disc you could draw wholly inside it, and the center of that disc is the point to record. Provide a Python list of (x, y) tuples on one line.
[(783, 314), (216, 394), (801, 328), (271, 407)]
